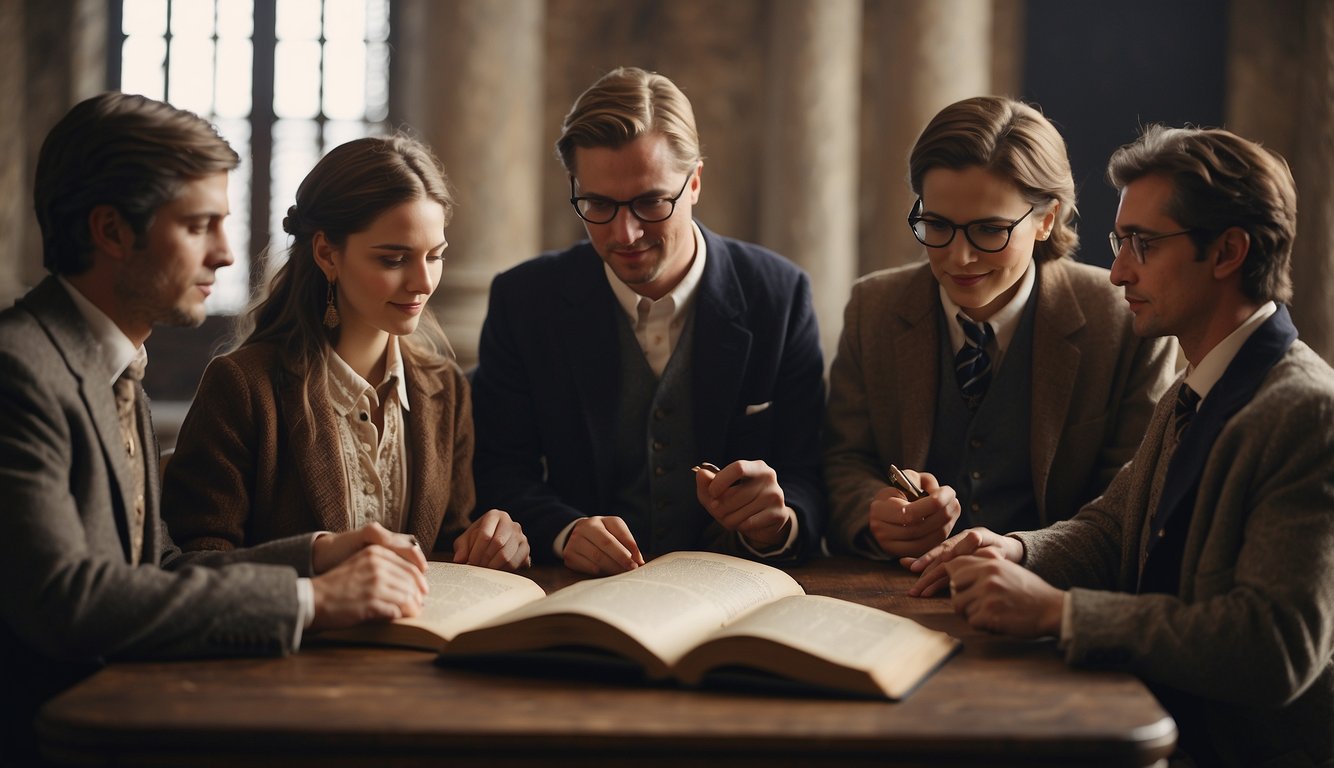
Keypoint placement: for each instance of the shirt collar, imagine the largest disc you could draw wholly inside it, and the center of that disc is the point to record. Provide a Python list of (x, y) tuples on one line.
[(346, 386), (1204, 376), (677, 300), (1006, 320), (121, 350)]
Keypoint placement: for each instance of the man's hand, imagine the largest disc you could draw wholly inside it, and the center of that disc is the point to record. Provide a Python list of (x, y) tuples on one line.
[(493, 541), (907, 529), (745, 497), (981, 542), (375, 583), (601, 546), (330, 550), (1004, 597)]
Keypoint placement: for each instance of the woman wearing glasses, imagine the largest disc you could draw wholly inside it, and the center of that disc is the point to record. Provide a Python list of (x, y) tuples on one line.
[(343, 405), (1003, 372)]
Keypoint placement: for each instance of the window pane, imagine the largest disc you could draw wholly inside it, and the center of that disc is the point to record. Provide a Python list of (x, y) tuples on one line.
[(235, 60), (192, 19), (296, 87), (296, 147), (345, 20), (231, 292), (377, 82), (342, 131), (190, 76), (377, 21), (141, 66), (298, 19), (144, 17), (236, 18), (345, 73)]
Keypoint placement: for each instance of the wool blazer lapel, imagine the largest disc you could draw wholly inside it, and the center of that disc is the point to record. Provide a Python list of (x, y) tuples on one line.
[(56, 312), (586, 331), (912, 366), (1265, 347), (320, 467), (1055, 368), (721, 350)]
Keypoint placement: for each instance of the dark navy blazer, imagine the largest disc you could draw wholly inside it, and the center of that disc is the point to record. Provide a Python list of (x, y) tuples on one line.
[(546, 386)]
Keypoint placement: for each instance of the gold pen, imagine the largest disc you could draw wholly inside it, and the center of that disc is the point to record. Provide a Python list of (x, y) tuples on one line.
[(899, 480)]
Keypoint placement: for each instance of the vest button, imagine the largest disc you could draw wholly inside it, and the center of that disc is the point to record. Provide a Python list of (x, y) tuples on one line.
[(975, 443), (975, 474), (658, 445), (659, 471)]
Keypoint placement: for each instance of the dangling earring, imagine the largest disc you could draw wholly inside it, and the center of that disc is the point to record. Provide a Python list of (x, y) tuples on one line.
[(331, 318)]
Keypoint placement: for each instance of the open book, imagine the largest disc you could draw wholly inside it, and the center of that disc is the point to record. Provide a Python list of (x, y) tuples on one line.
[(692, 615), (461, 597)]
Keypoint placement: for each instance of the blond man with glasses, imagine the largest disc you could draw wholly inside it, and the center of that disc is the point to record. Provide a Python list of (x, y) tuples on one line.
[(657, 386)]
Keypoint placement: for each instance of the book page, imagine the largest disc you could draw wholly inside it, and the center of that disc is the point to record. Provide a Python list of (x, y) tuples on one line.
[(840, 631), (463, 596), (671, 603)]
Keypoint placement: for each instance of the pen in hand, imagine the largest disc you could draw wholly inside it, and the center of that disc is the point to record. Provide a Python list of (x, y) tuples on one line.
[(899, 480)]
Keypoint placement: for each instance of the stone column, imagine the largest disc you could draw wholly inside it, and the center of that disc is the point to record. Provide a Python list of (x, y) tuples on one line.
[(472, 88), (1281, 93), (809, 169), (921, 56)]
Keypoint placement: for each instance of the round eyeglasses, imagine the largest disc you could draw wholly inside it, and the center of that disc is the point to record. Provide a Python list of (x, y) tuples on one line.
[(1138, 242), (986, 235), (648, 209)]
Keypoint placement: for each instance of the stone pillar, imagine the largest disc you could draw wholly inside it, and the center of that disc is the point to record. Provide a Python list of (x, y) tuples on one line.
[(809, 169), (472, 88), (15, 196), (1281, 93), (921, 56)]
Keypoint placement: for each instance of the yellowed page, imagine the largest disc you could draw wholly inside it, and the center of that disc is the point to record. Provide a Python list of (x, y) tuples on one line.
[(843, 632), (464, 596), (671, 603)]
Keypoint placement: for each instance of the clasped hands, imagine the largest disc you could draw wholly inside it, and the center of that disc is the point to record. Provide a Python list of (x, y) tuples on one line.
[(744, 497), (988, 586)]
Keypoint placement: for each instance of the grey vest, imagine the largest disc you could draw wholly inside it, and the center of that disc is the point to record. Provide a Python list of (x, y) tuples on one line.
[(653, 489), (985, 454)]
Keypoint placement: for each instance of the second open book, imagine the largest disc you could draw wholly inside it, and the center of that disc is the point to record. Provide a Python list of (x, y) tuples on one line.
[(684, 615)]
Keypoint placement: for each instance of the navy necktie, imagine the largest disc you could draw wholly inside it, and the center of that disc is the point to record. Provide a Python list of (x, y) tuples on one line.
[(1187, 403), (972, 365)]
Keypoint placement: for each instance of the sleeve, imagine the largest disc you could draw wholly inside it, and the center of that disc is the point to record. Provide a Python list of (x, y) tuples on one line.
[(462, 491), (69, 592), (508, 466), (799, 404), (208, 488), (853, 467), (1264, 580)]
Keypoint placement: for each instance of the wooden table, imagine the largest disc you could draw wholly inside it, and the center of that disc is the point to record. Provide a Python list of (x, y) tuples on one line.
[(998, 702)]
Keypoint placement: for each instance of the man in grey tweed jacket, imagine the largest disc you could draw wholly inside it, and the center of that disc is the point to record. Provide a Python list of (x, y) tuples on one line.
[(1207, 567), (130, 195)]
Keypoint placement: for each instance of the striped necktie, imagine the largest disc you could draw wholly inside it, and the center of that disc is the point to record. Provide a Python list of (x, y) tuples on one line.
[(1187, 404), (972, 365)]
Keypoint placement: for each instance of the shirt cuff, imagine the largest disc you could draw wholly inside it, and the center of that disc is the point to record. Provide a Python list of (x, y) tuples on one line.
[(559, 543), (305, 609), (782, 550)]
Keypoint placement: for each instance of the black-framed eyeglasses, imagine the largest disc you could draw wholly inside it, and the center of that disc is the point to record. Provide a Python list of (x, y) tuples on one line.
[(986, 235), (648, 209), (1138, 240)]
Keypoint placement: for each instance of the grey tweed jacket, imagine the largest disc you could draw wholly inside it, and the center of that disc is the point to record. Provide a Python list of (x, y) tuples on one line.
[(71, 600), (1250, 633)]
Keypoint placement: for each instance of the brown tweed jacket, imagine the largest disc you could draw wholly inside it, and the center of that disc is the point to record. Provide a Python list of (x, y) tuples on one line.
[(247, 468), (1094, 387)]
